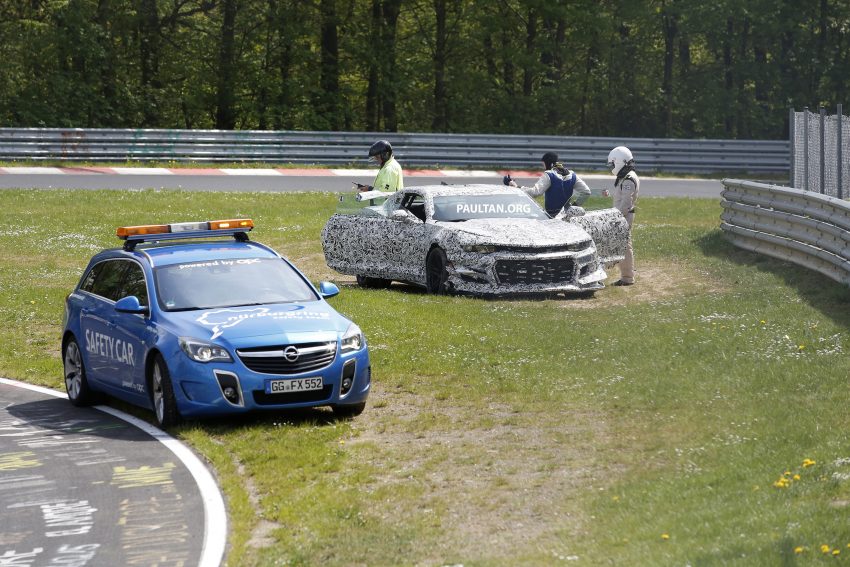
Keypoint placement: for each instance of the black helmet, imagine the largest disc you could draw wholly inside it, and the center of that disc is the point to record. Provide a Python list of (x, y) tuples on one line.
[(549, 159), (382, 149)]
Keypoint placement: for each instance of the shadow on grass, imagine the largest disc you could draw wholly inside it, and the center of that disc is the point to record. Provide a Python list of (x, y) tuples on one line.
[(314, 417), (414, 290), (829, 297)]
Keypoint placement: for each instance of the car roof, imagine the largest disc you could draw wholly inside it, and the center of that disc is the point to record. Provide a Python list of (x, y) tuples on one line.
[(171, 253), (471, 189)]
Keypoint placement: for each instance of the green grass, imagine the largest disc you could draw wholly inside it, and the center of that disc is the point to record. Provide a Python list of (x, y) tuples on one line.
[(511, 432)]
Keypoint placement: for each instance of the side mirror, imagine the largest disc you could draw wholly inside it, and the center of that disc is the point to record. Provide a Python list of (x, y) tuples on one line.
[(403, 215), (130, 304), (328, 289)]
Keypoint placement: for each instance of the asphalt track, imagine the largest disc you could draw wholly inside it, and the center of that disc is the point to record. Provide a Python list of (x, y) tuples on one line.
[(94, 486), (283, 180)]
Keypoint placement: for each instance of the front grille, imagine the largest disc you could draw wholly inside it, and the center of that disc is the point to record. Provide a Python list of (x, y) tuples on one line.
[(575, 247), (520, 272), (272, 360), (263, 399)]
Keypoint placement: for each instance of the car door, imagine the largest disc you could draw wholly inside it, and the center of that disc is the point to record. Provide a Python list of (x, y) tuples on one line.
[(100, 287), (131, 331), (410, 237), (113, 341)]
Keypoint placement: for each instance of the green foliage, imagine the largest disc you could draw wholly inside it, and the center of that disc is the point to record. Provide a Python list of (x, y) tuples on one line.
[(614, 68), (696, 418)]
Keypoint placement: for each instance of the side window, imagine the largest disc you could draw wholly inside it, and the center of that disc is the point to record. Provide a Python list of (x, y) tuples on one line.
[(415, 204), (134, 283), (88, 282), (115, 279), (107, 278)]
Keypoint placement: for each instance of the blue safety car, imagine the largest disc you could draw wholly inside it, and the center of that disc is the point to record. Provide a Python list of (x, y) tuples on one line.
[(192, 326)]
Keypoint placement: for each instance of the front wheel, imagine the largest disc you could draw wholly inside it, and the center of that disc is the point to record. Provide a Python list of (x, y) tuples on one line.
[(162, 394), (436, 275), (76, 384)]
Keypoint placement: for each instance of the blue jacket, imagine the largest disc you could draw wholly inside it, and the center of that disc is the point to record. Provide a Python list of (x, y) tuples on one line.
[(559, 192)]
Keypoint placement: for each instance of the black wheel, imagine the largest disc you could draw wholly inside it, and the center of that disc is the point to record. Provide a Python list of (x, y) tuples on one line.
[(162, 394), (436, 275), (373, 283), (350, 410), (76, 384)]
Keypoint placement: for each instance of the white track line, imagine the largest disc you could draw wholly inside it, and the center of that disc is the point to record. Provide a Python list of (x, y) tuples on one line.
[(215, 516)]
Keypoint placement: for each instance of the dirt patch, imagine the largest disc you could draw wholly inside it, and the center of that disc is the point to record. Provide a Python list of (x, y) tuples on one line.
[(494, 484), (653, 282), (262, 533)]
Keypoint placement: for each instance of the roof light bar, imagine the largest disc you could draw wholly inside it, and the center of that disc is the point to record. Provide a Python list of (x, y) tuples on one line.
[(246, 224), (127, 231), (136, 234)]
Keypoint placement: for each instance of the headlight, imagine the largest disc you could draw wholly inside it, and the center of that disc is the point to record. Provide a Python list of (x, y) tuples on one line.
[(352, 339), (204, 352), (479, 248)]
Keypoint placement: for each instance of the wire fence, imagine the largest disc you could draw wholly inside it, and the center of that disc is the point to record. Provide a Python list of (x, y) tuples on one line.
[(820, 152)]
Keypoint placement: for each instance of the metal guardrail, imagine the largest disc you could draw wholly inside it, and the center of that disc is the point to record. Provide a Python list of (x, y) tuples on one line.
[(798, 226), (412, 150)]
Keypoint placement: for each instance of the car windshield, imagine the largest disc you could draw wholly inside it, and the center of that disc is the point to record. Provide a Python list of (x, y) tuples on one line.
[(229, 283), (453, 208)]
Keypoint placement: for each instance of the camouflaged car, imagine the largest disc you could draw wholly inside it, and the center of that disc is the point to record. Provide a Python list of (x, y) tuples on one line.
[(473, 239)]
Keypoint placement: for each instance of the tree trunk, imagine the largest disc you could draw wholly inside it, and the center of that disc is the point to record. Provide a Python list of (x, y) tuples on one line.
[(530, 47), (391, 11), (225, 115), (742, 106), (329, 77), (108, 79), (440, 122), (149, 54), (373, 101), (669, 24), (284, 25), (729, 123)]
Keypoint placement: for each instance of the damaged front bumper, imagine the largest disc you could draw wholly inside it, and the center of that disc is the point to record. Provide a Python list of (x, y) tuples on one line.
[(504, 273)]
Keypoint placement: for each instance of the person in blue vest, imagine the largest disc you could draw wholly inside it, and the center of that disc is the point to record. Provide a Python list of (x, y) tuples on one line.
[(558, 185)]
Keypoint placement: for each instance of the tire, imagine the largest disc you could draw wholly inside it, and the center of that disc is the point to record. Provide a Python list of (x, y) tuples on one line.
[(350, 410), (373, 283), (76, 384), (436, 275), (162, 394)]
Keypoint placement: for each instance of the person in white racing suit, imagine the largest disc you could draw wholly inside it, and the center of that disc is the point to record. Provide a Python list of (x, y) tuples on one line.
[(557, 185), (626, 191)]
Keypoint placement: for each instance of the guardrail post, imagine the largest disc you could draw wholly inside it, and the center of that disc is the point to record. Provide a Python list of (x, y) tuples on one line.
[(792, 135), (806, 148), (822, 152), (839, 151)]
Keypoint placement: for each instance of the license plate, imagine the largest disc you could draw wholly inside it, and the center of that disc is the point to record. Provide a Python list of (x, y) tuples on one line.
[(294, 385)]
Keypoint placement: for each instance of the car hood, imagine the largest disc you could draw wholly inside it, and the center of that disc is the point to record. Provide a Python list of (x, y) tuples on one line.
[(262, 324), (515, 232)]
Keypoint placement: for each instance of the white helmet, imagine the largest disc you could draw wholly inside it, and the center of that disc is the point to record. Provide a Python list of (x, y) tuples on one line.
[(619, 157)]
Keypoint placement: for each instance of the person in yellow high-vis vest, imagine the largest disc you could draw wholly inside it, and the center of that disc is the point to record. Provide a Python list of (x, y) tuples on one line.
[(390, 177)]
